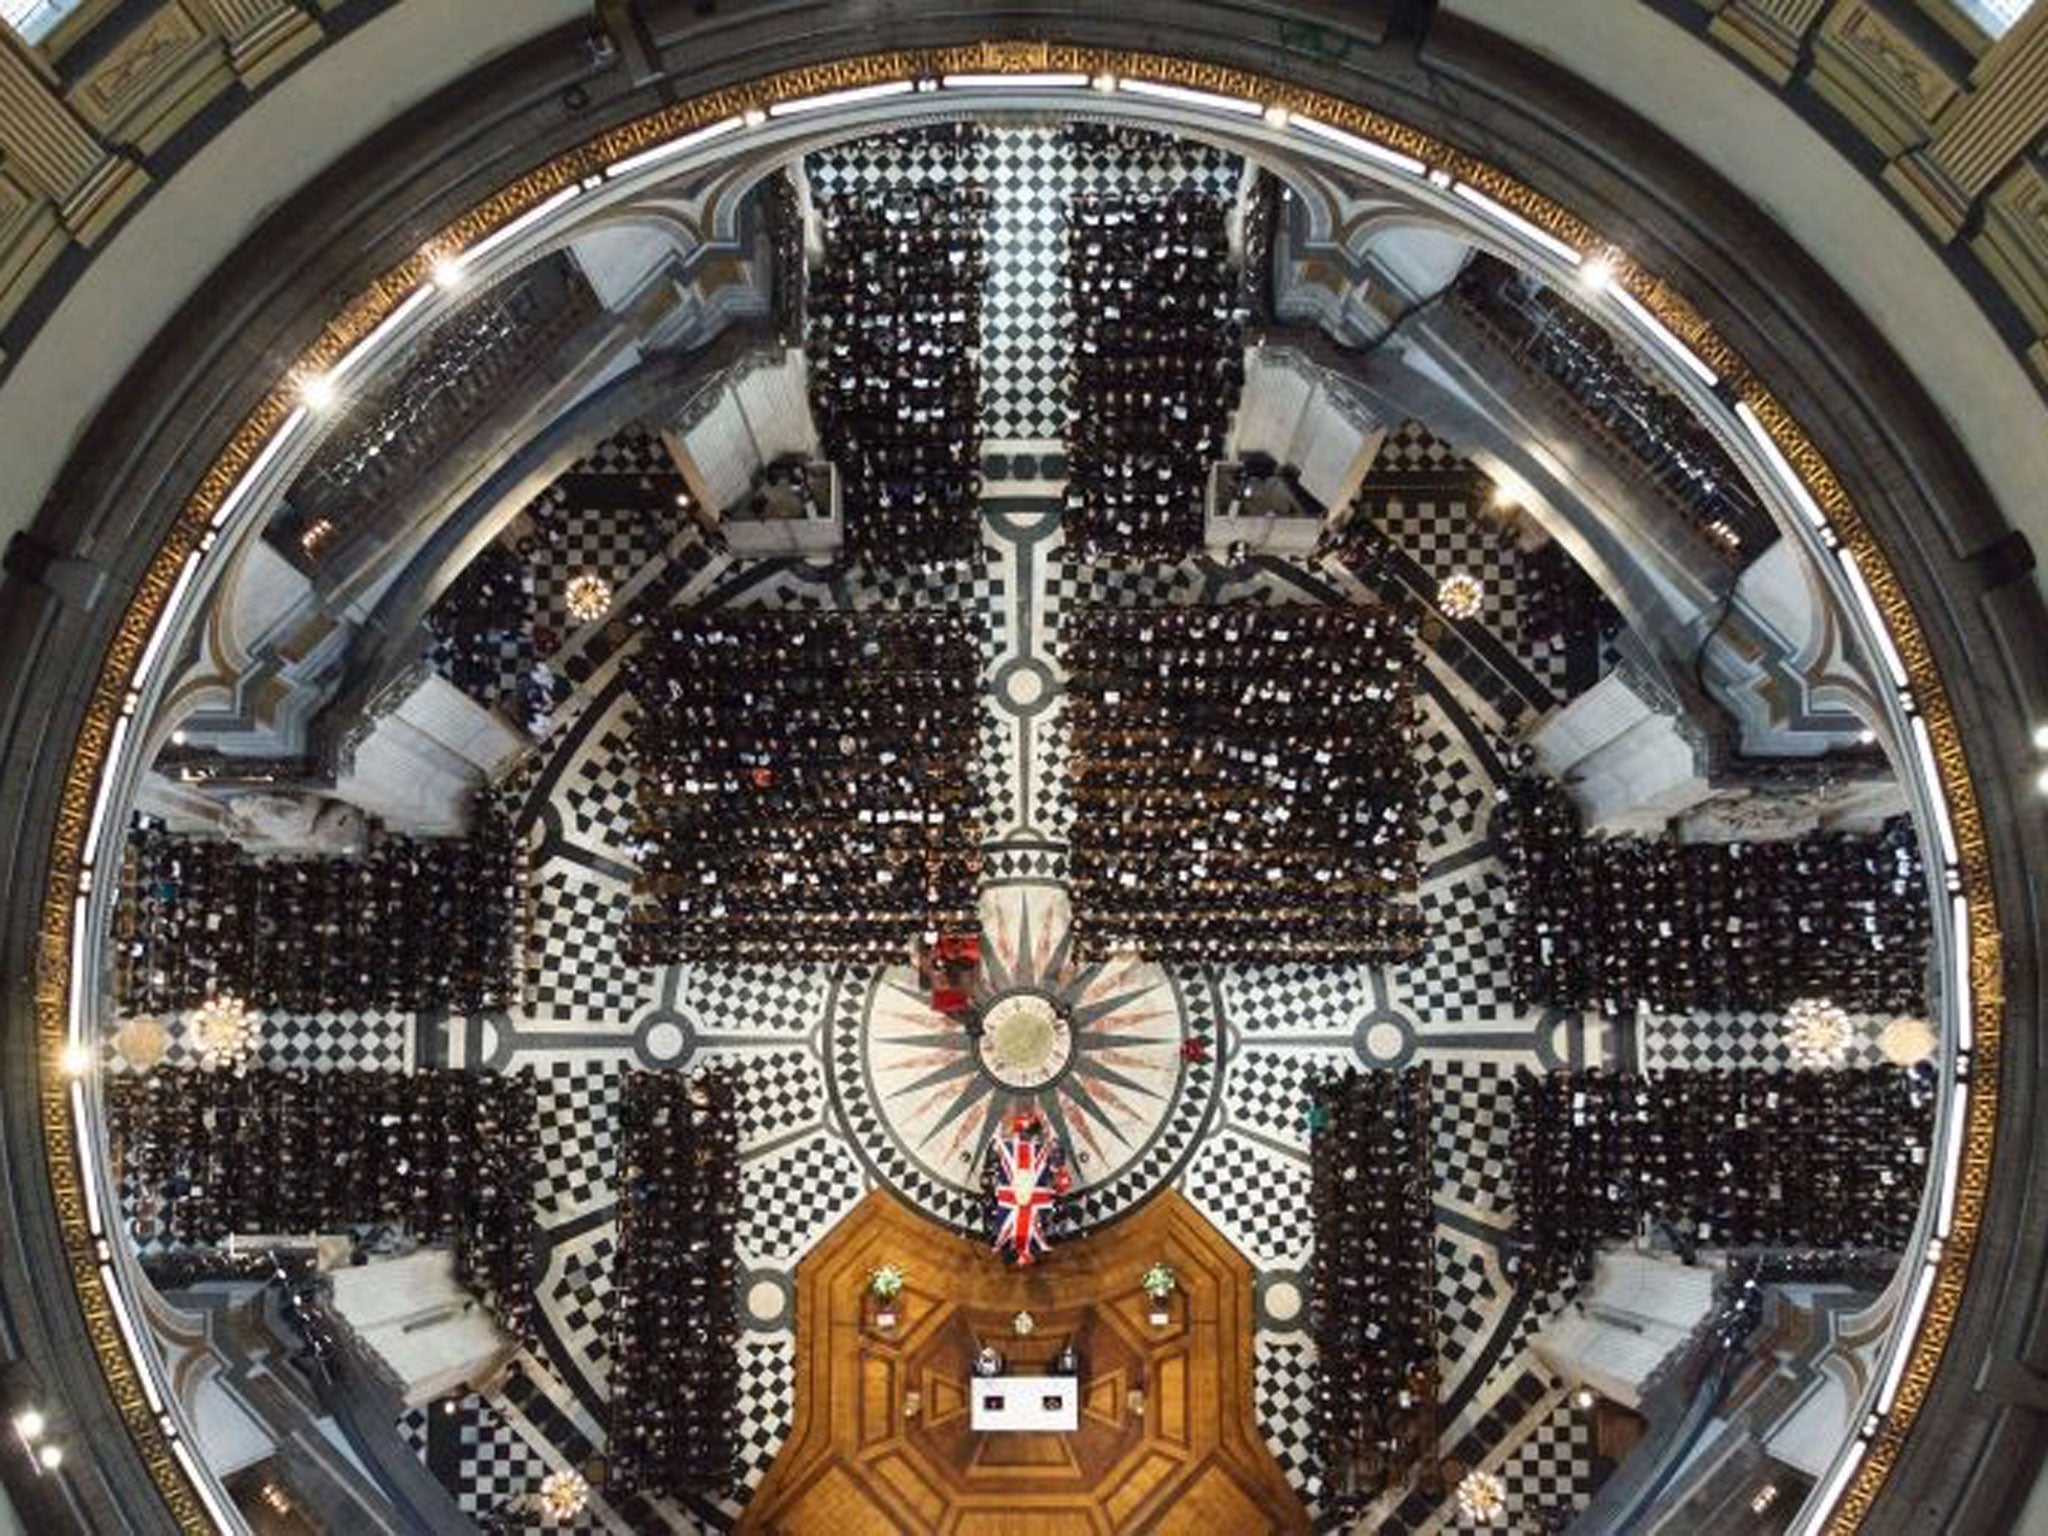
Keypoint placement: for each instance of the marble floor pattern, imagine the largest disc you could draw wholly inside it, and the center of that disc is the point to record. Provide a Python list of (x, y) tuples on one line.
[(821, 1050), (825, 1053)]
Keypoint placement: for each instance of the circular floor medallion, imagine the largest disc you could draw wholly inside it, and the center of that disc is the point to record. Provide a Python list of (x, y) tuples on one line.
[(1095, 1047), (1025, 1042)]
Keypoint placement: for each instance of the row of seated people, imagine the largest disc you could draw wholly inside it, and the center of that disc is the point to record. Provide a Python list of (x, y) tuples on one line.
[(1374, 1274), (1624, 922), (1157, 364), (1657, 427), (506, 612), (894, 318), (447, 1156), (674, 1346), (414, 923), (1740, 1159), (805, 783), (1243, 783)]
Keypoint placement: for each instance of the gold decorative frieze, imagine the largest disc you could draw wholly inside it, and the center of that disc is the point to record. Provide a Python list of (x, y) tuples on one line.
[(356, 318)]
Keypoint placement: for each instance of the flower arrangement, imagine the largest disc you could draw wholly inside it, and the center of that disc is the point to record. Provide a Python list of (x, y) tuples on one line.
[(886, 1281), (1159, 1281)]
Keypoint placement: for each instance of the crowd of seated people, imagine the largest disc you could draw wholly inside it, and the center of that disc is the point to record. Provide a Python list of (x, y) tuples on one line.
[(1661, 431), (1242, 783), (506, 614), (1261, 222), (1750, 1158), (416, 923), (446, 1155), (1374, 1277), (1156, 364), (1561, 602), (1680, 927), (485, 615), (805, 784), (894, 339), (782, 213), (673, 1421)]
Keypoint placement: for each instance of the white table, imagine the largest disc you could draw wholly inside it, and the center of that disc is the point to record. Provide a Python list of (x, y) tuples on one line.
[(1026, 1403)]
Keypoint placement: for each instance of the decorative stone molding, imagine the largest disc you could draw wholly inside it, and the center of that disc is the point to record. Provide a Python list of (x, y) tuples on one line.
[(1981, 133), (1768, 33), (50, 150), (2013, 241), (263, 36), (153, 82), (1879, 78)]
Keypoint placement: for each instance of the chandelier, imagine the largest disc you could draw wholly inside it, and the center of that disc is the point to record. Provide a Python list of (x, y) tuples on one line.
[(1817, 1034), (1459, 595), (563, 1495), (1482, 1498), (588, 597), (224, 1031)]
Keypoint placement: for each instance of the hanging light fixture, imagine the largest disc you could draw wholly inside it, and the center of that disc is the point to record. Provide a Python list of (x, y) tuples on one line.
[(563, 1495), (1482, 1498), (588, 597), (1459, 595), (224, 1031), (1817, 1033)]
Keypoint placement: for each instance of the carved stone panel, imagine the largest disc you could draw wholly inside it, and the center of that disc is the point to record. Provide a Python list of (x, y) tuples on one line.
[(154, 80), (1879, 77)]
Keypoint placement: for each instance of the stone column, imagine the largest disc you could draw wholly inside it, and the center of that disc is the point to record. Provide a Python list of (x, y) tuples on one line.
[(49, 148)]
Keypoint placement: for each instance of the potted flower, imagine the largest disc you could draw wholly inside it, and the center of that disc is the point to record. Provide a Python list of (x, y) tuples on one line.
[(886, 1281), (1159, 1282)]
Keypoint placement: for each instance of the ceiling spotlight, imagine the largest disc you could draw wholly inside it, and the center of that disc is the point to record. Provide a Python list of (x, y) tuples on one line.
[(77, 1059), (1104, 83), (449, 275), (588, 597), (753, 117), (1278, 115), (51, 1457), (2041, 737), (2041, 782), (1459, 595), (29, 1423), (1597, 272), (319, 392), (1584, 1399)]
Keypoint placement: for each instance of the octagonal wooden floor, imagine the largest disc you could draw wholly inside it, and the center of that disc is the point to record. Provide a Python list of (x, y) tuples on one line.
[(860, 1460)]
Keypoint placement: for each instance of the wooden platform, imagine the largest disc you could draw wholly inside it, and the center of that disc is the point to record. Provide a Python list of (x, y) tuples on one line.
[(857, 1464)]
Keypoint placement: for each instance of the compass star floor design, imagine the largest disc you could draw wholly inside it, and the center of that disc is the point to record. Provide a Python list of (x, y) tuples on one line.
[(1123, 1102)]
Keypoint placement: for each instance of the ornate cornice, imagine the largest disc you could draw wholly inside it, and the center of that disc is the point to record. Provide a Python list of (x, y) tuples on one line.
[(577, 167)]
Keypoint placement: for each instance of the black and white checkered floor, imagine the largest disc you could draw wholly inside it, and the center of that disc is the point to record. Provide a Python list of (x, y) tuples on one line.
[(1234, 1139)]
